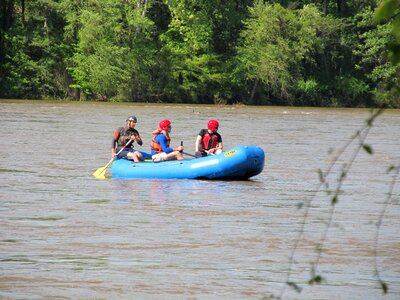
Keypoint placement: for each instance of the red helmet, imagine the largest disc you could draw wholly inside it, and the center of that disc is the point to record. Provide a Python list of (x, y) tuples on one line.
[(213, 124), (164, 124)]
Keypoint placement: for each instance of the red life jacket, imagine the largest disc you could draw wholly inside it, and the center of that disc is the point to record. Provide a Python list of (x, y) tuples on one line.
[(209, 140), (156, 146)]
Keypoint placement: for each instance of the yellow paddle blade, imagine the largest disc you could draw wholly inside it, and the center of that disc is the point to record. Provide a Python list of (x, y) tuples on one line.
[(100, 172)]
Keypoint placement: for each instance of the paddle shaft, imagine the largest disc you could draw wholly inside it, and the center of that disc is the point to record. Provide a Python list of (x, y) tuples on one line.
[(126, 145), (188, 154)]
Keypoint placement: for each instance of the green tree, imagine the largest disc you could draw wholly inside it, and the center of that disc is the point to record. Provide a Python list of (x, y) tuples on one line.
[(280, 48), (374, 62), (188, 44), (31, 43), (114, 48)]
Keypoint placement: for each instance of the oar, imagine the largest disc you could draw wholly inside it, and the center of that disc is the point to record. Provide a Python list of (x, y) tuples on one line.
[(101, 171), (188, 154), (183, 152)]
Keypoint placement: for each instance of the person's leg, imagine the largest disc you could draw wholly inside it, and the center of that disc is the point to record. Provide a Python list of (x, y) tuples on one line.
[(159, 157), (179, 156), (135, 156), (139, 155), (145, 155), (175, 155)]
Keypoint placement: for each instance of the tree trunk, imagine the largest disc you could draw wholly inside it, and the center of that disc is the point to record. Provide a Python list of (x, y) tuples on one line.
[(7, 14), (253, 91), (23, 11), (325, 7), (339, 6)]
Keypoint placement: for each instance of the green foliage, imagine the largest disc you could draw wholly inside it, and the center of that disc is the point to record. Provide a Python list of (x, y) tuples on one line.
[(30, 53), (113, 44), (351, 90), (374, 61), (308, 92), (188, 43), (281, 47), (251, 51), (390, 10)]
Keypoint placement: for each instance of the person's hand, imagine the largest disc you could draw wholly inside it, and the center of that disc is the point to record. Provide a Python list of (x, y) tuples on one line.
[(211, 151), (180, 148), (133, 137), (198, 154)]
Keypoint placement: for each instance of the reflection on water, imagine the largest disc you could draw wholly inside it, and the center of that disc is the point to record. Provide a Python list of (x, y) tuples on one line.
[(65, 234)]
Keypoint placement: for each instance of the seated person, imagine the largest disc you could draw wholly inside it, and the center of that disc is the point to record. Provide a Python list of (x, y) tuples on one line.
[(160, 144), (209, 141), (125, 137)]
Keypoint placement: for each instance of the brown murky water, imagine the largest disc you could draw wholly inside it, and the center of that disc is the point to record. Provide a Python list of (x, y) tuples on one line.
[(66, 235)]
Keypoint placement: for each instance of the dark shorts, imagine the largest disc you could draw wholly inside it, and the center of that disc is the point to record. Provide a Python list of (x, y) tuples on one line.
[(124, 153)]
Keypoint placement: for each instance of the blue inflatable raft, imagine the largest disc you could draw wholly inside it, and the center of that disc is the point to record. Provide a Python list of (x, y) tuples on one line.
[(239, 163)]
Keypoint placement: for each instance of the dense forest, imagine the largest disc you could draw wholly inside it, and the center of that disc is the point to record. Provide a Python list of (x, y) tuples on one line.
[(310, 52)]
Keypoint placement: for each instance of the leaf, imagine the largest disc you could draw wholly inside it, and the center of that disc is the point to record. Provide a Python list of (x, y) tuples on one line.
[(317, 279), (384, 286), (368, 148), (294, 286), (386, 9)]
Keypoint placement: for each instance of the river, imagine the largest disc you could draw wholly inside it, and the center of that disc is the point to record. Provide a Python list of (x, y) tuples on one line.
[(68, 235)]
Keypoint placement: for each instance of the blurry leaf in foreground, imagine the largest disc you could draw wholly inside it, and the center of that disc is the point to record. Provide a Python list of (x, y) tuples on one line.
[(368, 148), (294, 286)]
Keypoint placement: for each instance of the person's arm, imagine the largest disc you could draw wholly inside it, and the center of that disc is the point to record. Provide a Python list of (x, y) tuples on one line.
[(198, 146), (199, 143), (138, 139), (162, 140), (219, 146), (114, 143)]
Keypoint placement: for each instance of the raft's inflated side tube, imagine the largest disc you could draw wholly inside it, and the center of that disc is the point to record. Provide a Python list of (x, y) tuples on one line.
[(239, 163)]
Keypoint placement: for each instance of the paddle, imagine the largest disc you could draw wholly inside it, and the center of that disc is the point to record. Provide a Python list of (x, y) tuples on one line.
[(101, 171), (188, 154)]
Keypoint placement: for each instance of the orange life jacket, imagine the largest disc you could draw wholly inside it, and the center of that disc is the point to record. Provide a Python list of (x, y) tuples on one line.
[(156, 146)]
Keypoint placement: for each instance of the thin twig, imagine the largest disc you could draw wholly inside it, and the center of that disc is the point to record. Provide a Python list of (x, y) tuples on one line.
[(362, 134), (382, 284)]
